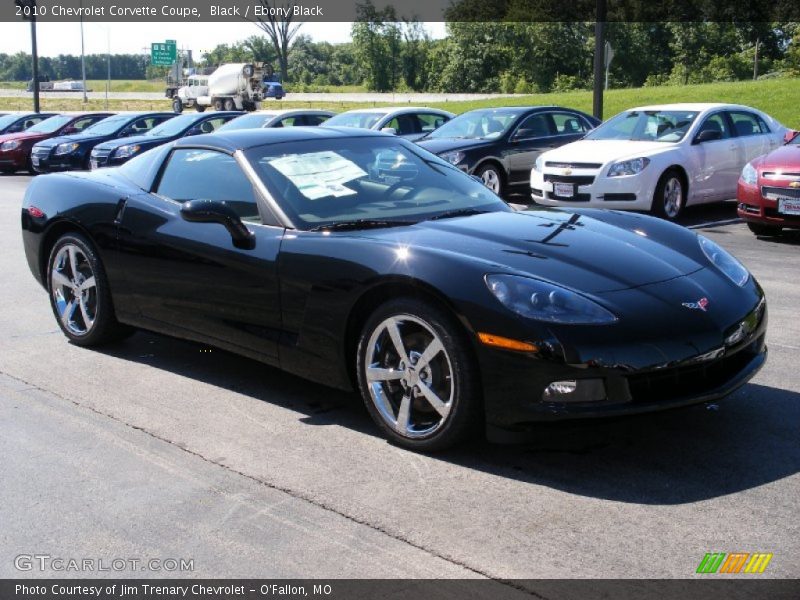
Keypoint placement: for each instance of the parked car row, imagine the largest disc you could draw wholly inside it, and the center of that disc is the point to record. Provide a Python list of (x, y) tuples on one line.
[(658, 159)]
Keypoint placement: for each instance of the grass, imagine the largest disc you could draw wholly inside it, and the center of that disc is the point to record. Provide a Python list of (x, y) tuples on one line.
[(777, 97)]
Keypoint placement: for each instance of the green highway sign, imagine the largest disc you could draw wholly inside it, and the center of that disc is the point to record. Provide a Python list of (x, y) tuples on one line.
[(163, 54)]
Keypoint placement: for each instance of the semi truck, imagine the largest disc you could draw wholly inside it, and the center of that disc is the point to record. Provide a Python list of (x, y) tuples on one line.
[(234, 86)]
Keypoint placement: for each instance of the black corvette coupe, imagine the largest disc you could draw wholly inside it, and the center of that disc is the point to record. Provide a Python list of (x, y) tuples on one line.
[(358, 260)]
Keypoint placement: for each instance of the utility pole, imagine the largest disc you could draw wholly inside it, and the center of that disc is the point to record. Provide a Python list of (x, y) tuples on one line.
[(29, 13), (83, 59), (599, 56)]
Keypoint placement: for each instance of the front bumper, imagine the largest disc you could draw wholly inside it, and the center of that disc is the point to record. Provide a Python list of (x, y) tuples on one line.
[(590, 188), (13, 159), (514, 383), (757, 207), (43, 161)]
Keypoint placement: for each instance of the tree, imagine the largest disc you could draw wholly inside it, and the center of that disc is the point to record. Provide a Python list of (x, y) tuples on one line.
[(281, 32)]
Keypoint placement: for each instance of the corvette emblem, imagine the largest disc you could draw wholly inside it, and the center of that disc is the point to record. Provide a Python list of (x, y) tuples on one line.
[(699, 305), (795, 184)]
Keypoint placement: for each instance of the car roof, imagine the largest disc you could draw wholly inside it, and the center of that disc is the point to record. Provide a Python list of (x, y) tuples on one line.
[(519, 109), (694, 106), (280, 112), (395, 109), (139, 115), (242, 139)]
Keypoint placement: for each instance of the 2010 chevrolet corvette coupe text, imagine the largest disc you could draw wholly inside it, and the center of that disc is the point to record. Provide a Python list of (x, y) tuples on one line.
[(359, 260)]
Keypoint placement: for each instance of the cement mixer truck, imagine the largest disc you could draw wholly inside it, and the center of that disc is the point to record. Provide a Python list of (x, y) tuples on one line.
[(234, 86)]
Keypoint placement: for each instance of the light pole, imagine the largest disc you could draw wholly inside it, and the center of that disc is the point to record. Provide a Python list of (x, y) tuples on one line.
[(29, 13), (83, 59)]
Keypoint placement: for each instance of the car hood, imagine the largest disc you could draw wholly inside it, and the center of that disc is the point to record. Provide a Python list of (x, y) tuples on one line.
[(571, 249), (78, 138), (441, 145), (22, 135), (783, 157), (134, 139), (593, 151)]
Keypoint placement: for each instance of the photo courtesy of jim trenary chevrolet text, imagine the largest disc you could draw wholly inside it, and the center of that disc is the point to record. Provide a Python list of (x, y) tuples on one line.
[(356, 299)]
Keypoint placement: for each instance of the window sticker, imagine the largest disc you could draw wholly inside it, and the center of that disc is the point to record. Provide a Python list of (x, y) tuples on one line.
[(319, 174)]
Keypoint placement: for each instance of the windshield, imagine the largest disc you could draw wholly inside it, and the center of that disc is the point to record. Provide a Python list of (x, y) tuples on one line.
[(50, 125), (173, 126), (107, 126), (8, 120), (646, 126), (251, 121), (362, 120), (477, 124), (325, 182)]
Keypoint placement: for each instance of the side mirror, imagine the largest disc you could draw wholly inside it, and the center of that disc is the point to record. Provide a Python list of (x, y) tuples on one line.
[(194, 131), (209, 211), (789, 136), (708, 135), (69, 130), (389, 130)]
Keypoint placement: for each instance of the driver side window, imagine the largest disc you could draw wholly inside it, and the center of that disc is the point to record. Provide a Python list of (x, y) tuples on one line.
[(716, 123), (196, 174)]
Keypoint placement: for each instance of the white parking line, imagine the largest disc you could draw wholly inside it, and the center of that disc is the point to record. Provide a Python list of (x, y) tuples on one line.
[(715, 223)]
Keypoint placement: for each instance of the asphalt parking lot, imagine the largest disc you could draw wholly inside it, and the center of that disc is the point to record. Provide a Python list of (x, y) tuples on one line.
[(158, 448)]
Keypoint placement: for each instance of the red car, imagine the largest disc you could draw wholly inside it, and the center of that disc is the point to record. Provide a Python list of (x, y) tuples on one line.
[(15, 148), (769, 190)]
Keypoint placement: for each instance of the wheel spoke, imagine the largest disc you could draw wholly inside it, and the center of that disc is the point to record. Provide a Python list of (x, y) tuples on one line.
[(69, 310), (404, 414), (60, 279), (397, 340), (380, 374), (434, 400), (87, 320), (73, 261), (432, 350), (88, 284)]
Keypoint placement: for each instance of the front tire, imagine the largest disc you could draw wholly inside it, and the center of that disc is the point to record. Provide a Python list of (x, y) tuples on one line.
[(79, 293), (669, 199), (492, 177), (417, 376), (764, 230), (177, 105)]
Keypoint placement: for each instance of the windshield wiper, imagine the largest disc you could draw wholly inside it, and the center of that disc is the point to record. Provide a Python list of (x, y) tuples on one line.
[(461, 212), (360, 224)]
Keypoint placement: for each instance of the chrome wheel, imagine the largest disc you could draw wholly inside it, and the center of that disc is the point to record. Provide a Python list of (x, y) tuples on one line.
[(491, 179), (673, 197), (409, 376), (74, 289)]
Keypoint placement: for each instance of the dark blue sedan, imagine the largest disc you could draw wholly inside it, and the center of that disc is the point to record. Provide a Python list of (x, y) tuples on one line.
[(118, 151), (70, 152)]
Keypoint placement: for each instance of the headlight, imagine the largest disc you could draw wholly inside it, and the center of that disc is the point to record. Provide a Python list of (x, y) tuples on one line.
[(6, 146), (542, 301), (628, 167), (537, 166), (749, 174), (453, 158), (66, 148), (724, 261), (127, 151)]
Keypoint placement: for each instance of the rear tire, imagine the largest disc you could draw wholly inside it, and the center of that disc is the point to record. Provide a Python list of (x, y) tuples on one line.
[(492, 177), (229, 105), (199, 108), (764, 230), (79, 293), (424, 396), (669, 199), (217, 104)]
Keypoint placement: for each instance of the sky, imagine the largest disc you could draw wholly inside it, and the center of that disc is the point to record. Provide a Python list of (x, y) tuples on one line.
[(131, 38)]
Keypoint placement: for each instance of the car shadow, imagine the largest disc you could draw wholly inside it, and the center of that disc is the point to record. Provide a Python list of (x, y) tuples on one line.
[(672, 457)]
